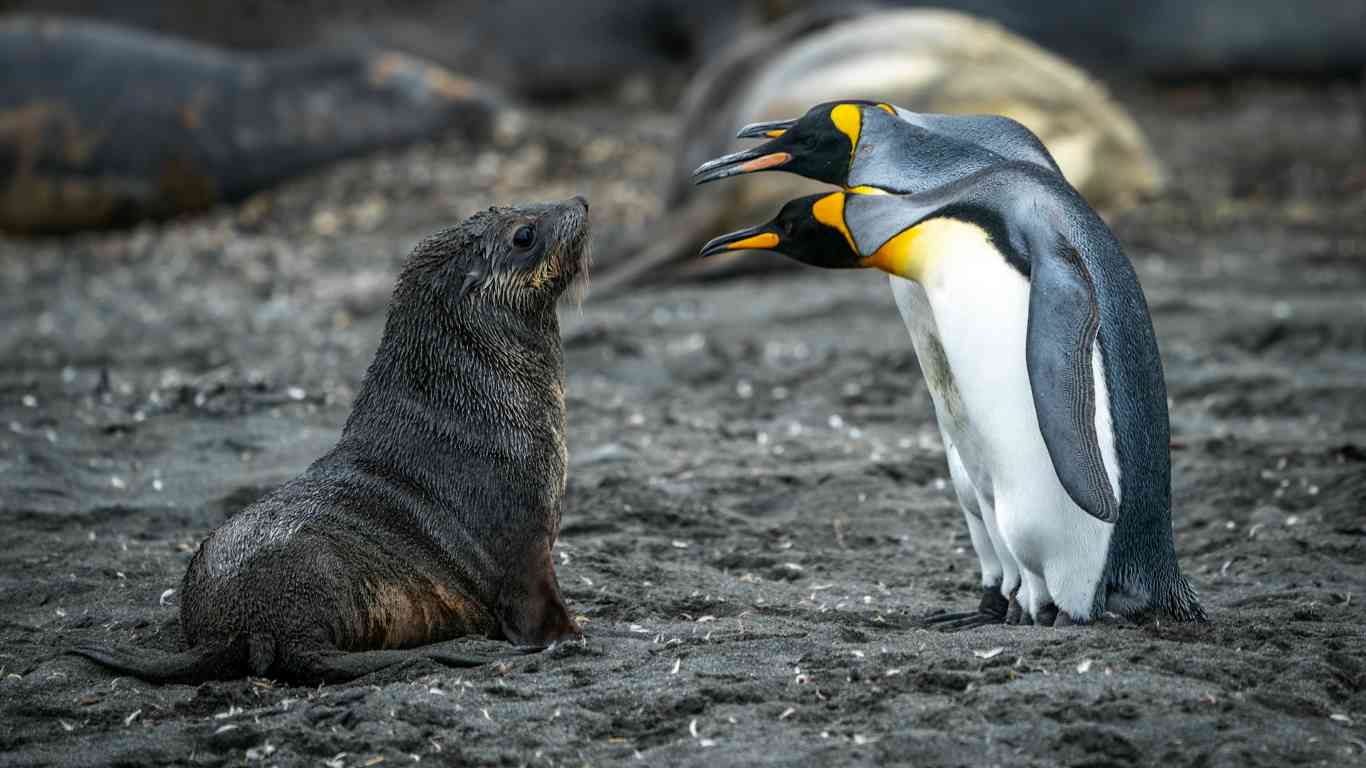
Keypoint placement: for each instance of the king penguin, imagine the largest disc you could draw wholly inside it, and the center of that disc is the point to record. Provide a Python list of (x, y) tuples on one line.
[(870, 147), (877, 145), (1045, 372)]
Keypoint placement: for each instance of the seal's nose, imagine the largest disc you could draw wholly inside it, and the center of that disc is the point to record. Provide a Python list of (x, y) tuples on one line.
[(582, 201)]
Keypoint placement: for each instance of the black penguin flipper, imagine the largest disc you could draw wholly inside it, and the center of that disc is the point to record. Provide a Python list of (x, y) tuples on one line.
[(1064, 319), (195, 665)]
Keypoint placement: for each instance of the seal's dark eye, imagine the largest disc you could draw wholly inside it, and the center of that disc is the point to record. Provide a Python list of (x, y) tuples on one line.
[(524, 236)]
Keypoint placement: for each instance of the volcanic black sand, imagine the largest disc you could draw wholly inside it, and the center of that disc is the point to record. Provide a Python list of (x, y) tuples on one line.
[(757, 510)]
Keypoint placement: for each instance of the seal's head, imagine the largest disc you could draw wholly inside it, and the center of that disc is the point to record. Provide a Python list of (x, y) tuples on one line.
[(520, 258)]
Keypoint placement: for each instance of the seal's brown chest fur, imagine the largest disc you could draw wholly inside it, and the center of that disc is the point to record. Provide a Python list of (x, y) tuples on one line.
[(411, 613)]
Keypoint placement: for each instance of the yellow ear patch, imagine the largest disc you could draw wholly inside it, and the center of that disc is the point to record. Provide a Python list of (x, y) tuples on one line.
[(829, 210), (849, 121), (761, 241), (888, 108)]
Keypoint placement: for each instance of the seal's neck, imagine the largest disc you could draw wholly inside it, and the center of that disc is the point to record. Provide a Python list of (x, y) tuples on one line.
[(442, 375)]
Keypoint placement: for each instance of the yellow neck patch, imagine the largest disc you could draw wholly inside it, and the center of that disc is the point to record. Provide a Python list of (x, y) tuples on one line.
[(888, 108), (829, 210), (914, 252), (849, 120)]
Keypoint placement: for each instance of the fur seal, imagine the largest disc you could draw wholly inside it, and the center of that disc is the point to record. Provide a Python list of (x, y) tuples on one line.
[(924, 60), (103, 126), (435, 514)]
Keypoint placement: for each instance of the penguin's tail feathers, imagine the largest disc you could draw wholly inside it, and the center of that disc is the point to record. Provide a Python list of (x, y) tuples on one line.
[(195, 665)]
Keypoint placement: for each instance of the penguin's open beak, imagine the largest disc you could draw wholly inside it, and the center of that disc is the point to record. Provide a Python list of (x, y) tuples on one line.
[(760, 158), (760, 238), (769, 130)]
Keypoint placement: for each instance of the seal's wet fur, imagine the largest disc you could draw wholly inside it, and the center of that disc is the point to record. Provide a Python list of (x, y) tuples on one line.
[(435, 514)]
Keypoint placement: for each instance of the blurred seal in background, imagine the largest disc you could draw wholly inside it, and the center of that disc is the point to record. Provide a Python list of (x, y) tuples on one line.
[(1181, 38), (532, 48), (104, 126), (574, 47)]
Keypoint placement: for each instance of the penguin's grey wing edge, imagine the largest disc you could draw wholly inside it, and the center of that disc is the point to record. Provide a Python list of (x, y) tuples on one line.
[(1064, 318)]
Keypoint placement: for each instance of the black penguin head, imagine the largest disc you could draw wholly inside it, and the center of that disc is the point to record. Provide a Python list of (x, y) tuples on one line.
[(819, 145), (809, 229), (521, 257)]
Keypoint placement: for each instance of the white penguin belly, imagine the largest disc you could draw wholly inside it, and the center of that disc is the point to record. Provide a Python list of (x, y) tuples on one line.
[(980, 306), (949, 409), (962, 448)]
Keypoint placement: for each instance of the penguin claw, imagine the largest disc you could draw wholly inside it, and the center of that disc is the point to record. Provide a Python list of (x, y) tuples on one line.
[(991, 610), (948, 618), (1014, 613), (958, 621)]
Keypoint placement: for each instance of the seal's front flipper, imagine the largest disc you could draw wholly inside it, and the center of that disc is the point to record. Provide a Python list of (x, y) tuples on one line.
[(193, 666), (530, 610), (1064, 319)]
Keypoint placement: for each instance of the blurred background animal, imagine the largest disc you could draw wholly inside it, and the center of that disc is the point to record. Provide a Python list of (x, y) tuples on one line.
[(105, 126)]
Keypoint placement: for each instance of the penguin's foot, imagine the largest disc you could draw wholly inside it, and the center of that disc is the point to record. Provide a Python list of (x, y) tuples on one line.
[(991, 610), (1015, 614), (1046, 615)]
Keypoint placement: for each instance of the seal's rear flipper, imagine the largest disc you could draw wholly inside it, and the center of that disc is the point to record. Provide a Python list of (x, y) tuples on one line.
[(193, 666), (342, 666)]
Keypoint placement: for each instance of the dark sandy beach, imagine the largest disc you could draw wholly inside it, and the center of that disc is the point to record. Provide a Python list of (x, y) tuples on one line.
[(757, 509)]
